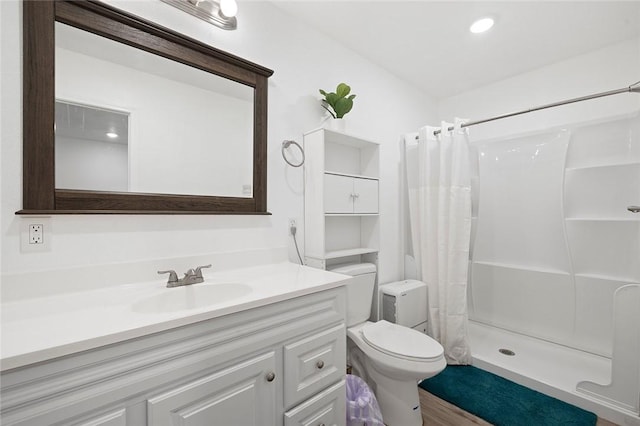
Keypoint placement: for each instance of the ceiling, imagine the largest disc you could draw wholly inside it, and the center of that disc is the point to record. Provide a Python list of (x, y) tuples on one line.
[(86, 123), (428, 44)]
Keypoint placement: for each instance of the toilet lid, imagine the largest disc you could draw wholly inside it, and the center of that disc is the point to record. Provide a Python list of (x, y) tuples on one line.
[(401, 341)]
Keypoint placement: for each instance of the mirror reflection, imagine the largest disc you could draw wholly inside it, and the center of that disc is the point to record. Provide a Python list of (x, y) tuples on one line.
[(91, 150), (183, 130)]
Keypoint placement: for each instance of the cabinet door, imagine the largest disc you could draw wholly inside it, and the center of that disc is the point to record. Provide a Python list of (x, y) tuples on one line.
[(113, 418), (338, 194), (366, 195), (243, 394)]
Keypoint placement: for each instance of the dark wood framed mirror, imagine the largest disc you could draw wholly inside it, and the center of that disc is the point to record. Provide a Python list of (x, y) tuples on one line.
[(40, 193)]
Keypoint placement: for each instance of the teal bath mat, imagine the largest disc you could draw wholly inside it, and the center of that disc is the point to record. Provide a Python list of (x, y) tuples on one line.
[(502, 402)]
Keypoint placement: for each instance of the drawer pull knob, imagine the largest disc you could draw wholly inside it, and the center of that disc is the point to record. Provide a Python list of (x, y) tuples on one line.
[(320, 364), (270, 376)]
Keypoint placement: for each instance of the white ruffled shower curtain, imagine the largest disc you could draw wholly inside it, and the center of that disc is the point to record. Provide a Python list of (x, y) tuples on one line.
[(439, 188)]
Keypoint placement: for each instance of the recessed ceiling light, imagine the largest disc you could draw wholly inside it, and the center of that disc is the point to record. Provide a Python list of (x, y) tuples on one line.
[(112, 135), (481, 25)]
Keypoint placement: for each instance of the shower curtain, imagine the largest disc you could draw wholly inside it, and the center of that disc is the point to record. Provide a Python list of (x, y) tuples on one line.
[(438, 182)]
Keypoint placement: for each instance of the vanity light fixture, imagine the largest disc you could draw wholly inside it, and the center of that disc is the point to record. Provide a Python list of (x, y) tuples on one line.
[(221, 13), (481, 25)]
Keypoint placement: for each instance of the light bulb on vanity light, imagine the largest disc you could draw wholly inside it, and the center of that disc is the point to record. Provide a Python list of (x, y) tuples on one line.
[(229, 8), (112, 135)]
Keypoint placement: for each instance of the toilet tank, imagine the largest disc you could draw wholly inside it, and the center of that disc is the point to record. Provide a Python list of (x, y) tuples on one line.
[(359, 290)]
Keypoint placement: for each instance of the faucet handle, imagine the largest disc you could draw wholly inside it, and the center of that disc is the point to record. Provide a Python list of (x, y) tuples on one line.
[(173, 277), (199, 270)]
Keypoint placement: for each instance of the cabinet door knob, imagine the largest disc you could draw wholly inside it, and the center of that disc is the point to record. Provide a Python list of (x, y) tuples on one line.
[(270, 376), (320, 364)]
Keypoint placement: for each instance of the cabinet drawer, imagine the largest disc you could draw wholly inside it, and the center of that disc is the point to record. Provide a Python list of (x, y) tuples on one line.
[(313, 363), (328, 408)]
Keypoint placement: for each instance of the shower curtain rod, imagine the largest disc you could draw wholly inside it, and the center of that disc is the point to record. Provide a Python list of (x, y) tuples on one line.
[(634, 88)]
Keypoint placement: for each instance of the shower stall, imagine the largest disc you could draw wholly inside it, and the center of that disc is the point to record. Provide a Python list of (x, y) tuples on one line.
[(554, 278)]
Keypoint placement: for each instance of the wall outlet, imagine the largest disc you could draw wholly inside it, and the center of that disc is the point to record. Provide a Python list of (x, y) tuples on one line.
[(35, 234), (292, 227)]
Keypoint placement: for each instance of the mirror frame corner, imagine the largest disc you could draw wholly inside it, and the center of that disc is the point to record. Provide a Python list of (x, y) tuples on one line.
[(39, 193)]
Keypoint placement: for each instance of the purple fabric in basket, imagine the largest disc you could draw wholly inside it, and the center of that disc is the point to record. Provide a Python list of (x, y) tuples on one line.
[(362, 406)]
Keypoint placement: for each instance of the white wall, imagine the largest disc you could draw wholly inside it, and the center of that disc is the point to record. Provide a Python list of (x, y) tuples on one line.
[(303, 61), (90, 164), (553, 241), (613, 67)]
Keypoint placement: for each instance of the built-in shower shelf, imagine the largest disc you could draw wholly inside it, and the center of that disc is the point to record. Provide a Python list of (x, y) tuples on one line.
[(603, 219), (602, 166), (624, 280), (523, 267)]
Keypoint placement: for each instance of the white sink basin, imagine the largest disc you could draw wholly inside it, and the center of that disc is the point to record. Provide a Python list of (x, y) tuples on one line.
[(193, 296)]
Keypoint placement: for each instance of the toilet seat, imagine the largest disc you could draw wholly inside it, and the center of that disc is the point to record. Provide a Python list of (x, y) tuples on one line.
[(401, 342)]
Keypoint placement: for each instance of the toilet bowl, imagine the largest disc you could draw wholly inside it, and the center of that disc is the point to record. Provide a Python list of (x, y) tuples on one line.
[(391, 358)]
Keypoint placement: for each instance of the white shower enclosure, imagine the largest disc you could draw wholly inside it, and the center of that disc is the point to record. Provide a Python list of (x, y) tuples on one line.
[(553, 239)]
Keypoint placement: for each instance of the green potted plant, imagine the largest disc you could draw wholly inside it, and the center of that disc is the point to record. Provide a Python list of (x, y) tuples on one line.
[(338, 103)]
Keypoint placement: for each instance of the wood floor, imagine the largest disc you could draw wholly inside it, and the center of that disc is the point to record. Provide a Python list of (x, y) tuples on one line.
[(436, 412)]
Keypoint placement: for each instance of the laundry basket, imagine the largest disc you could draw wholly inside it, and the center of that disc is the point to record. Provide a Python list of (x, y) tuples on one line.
[(362, 406)]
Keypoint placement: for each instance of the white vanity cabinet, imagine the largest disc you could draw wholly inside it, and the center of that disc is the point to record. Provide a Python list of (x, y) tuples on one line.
[(278, 364)]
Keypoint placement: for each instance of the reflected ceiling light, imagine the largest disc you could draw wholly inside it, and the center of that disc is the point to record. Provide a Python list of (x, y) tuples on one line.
[(220, 13), (112, 135), (481, 25)]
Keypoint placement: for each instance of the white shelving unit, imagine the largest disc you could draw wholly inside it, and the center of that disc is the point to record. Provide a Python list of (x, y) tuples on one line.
[(341, 198)]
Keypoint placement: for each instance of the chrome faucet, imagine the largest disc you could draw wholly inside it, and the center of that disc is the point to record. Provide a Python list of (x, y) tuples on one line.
[(192, 276)]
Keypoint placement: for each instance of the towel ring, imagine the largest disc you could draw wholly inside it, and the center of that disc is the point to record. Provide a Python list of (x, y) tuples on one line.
[(286, 144)]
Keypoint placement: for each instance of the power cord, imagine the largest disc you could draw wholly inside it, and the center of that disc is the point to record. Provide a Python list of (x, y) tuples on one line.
[(293, 229)]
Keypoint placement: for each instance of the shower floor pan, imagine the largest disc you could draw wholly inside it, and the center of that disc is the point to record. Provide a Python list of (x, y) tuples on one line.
[(546, 367)]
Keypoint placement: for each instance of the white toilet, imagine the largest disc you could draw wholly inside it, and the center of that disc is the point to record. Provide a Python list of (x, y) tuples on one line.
[(389, 357)]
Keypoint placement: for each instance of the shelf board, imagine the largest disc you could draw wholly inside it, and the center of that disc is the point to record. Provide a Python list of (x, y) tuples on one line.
[(330, 172), (349, 252), (624, 280), (602, 219), (602, 166), (342, 138), (524, 268), (350, 214)]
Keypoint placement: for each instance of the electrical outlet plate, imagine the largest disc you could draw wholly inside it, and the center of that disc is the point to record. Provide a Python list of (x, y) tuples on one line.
[(292, 224), (35, 234)]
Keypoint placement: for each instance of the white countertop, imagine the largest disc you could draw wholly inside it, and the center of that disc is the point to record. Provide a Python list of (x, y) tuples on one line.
[(39, 329)]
